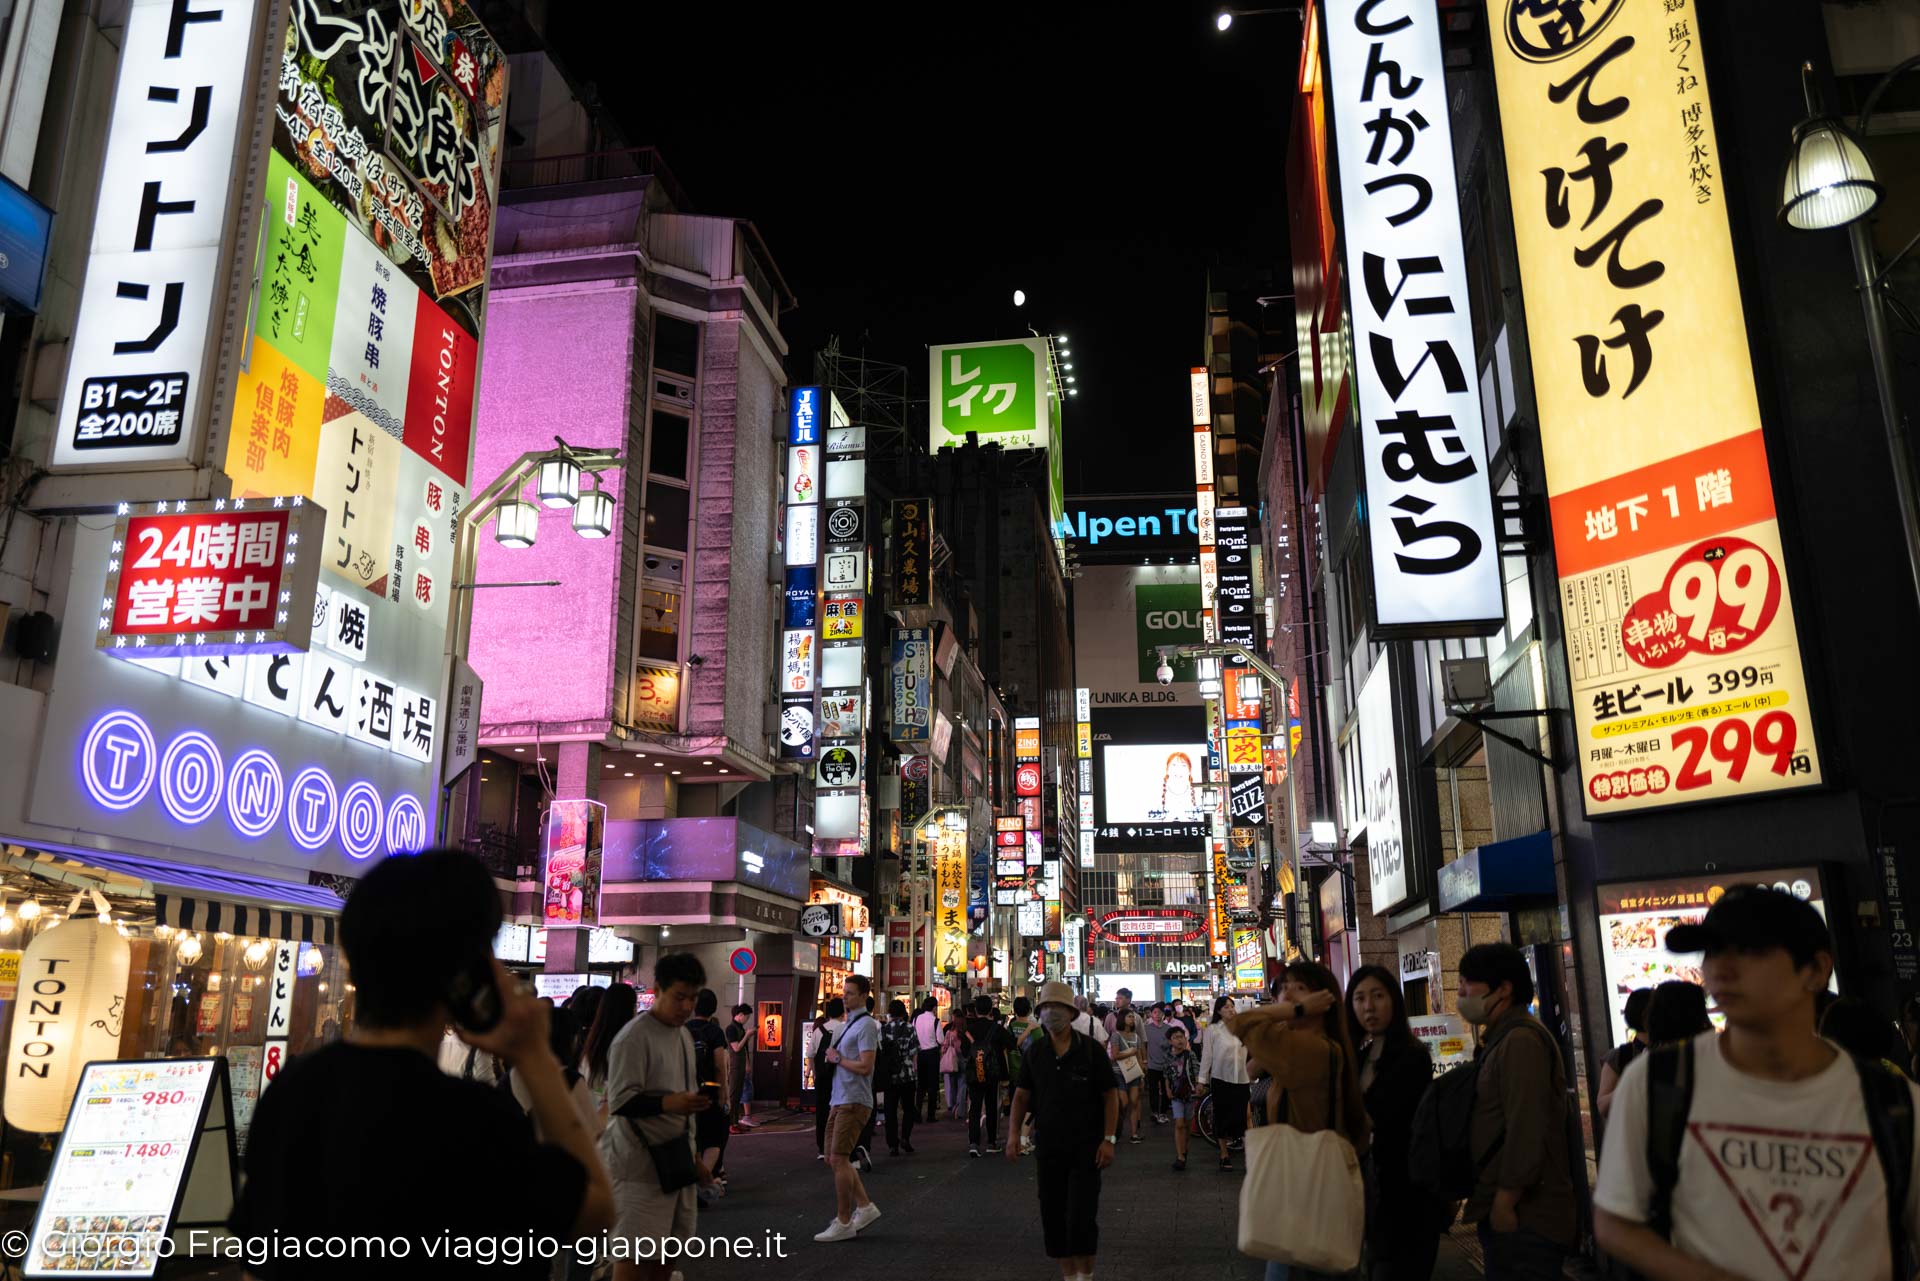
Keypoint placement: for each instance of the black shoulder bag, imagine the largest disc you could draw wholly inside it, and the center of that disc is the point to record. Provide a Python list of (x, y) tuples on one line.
[(673, 1159)]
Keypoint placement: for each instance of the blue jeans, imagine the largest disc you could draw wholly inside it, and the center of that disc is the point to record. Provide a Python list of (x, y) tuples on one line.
[(1520, 1256)]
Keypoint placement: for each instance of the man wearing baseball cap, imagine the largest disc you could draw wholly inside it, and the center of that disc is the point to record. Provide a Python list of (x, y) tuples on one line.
[(1765, 1152), (1068, 1083)]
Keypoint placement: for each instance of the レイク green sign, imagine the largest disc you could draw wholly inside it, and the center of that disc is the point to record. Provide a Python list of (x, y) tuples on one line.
[(1166, 614), (997, 389)]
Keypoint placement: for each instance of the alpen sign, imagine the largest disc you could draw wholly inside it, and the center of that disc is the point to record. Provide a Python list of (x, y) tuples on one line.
[(1429, 506)]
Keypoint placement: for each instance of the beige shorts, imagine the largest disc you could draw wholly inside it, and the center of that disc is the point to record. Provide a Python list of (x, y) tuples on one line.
[(641, 1209), (844, 1124)]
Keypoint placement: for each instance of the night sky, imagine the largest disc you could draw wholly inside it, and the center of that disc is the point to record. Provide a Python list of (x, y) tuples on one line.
[(910, 166)]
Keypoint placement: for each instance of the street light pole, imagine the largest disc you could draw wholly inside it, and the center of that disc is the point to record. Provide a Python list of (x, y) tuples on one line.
[(1273, 677)]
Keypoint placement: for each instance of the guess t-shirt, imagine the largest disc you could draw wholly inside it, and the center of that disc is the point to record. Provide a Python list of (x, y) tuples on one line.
[(1778, 1180)]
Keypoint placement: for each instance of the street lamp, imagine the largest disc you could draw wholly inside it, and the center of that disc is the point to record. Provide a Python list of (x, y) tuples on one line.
[(1829, 183), (593, 513), (560, 482), (517, 524)]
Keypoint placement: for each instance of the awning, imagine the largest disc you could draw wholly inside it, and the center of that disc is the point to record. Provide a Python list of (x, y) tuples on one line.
[(1500, 877), (197, 898)]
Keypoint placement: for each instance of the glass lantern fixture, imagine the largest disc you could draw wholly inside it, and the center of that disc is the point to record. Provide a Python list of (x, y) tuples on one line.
[(516, 524), (1828, 182), (593, 513), (559, 482)]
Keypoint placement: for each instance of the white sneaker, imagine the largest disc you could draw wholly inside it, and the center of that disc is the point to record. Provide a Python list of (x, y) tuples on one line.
[(838, 1230), (864, 1216)]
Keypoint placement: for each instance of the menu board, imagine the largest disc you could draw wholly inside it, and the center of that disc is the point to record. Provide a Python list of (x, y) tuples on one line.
[(1446, 1038), (1636, 915), (131, 1141)]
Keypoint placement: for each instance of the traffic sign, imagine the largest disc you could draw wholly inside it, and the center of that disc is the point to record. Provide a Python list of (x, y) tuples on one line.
[(742, 960)]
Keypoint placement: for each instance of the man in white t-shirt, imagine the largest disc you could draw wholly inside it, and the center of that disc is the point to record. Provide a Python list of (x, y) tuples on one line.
[(1779, 1174)]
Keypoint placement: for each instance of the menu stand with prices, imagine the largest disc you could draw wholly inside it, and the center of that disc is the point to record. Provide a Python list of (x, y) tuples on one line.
[(147, 1154)]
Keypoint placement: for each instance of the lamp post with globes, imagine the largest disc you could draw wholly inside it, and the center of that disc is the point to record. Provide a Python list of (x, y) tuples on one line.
[(516, 524), (1830, 183)]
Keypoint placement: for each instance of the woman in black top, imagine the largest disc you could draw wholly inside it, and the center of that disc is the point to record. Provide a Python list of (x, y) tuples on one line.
[(1634, 1012), (1404, 1226)]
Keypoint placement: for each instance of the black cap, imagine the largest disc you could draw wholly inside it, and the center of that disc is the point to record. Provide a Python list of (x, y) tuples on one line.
[(1756, 917)]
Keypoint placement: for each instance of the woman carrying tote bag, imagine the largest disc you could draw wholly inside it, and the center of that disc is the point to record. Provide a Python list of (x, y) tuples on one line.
[(1303, 1203)]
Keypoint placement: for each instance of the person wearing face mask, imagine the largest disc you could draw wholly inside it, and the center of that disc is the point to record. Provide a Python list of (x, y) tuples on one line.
[(1068, 1084), (1524, 1200)]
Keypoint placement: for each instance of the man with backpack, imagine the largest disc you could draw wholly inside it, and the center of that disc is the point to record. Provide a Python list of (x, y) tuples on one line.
[(983, 1062), (1022, 1027), (710, 1057), (1522, 1195), (1763, 1153)]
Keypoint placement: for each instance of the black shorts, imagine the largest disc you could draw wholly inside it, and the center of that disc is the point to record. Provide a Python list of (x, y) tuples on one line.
[(710, 1128)]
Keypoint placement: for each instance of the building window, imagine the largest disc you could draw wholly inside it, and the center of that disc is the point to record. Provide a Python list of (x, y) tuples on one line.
[(676, 345), (660, 619), (668, 508), (667, 444)]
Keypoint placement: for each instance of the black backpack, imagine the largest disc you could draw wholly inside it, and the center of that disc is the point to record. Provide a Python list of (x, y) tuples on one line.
[(1890, 1122), (1440, 1155)]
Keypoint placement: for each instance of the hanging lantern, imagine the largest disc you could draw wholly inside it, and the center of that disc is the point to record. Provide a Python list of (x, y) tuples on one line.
[(593, 516), (516, 524), (75, 978), (560, 482)]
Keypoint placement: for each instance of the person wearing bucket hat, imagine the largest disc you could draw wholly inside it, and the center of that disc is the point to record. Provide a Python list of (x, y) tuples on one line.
[(1729, 1152), (1069, 1087)]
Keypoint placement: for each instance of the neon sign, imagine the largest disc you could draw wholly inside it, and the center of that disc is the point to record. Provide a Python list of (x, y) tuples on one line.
[(121, 764)]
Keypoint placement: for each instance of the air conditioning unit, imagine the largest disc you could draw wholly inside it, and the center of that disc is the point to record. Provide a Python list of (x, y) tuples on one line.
[(673, 390), (1465, 683)]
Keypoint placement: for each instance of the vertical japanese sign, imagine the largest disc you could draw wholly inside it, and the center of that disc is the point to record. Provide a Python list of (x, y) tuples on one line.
[(137, 373), (911, 663), (1430, 523), (1204, 527), (840, 825), (1686, 668), (950, 897), (570, 852), (1380, 788), (800, 635), (1235, 613), (279, 1027), (912, 552)]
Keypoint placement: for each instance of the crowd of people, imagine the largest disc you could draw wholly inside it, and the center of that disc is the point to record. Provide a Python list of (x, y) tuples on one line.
[(1781, 1143)]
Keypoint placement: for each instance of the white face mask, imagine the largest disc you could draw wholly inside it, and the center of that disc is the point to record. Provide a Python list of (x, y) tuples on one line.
[(1055, 1019), (1476, 1007)]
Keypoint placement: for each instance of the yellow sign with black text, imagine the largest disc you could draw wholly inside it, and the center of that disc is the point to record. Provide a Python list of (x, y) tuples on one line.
[(950, 900), (1680, 639)]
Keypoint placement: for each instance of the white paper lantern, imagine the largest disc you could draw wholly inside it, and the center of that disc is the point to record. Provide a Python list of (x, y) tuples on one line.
[(71, 1003)]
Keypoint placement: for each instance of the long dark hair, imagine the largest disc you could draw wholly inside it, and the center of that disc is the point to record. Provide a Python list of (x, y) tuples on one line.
[(615, 1012), (1318, 978), (1399, 1033)]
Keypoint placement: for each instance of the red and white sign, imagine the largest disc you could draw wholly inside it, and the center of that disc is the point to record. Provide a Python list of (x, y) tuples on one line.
[(1026, 780), (221, 576), (1157, 925)]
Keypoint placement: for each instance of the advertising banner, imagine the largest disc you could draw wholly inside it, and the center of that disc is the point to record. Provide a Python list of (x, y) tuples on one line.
[(998, 390), (211, 577), (1122, 615), (161, 251), (912, 552), (1234, 605), (949, 854), (1429, 507), (1636, 915), (1680, 639), (911, 664), (1380, 788), (570, 846)]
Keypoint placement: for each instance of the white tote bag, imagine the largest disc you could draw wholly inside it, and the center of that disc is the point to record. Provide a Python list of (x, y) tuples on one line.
[(1303, 1202)]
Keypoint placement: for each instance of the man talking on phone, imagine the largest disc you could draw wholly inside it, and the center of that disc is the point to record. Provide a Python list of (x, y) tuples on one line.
[(367, 1138)]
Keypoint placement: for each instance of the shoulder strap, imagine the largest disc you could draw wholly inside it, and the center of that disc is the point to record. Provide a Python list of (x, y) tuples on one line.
[(1889, 1102), (1669, 1099)]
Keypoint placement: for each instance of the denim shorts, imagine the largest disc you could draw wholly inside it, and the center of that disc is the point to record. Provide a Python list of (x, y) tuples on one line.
[(1182, 1108)]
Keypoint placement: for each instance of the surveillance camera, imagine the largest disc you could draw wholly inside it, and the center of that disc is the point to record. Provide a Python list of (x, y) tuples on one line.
[(1164, 674)]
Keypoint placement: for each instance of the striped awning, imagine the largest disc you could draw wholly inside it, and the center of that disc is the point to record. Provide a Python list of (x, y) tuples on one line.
[(197, 898)]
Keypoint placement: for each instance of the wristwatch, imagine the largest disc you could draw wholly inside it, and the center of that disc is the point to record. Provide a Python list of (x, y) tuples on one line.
[(1111, 1138)]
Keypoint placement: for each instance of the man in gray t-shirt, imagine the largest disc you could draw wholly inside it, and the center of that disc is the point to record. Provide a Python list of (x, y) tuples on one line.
[(854, 1054), (1157, 1060)]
